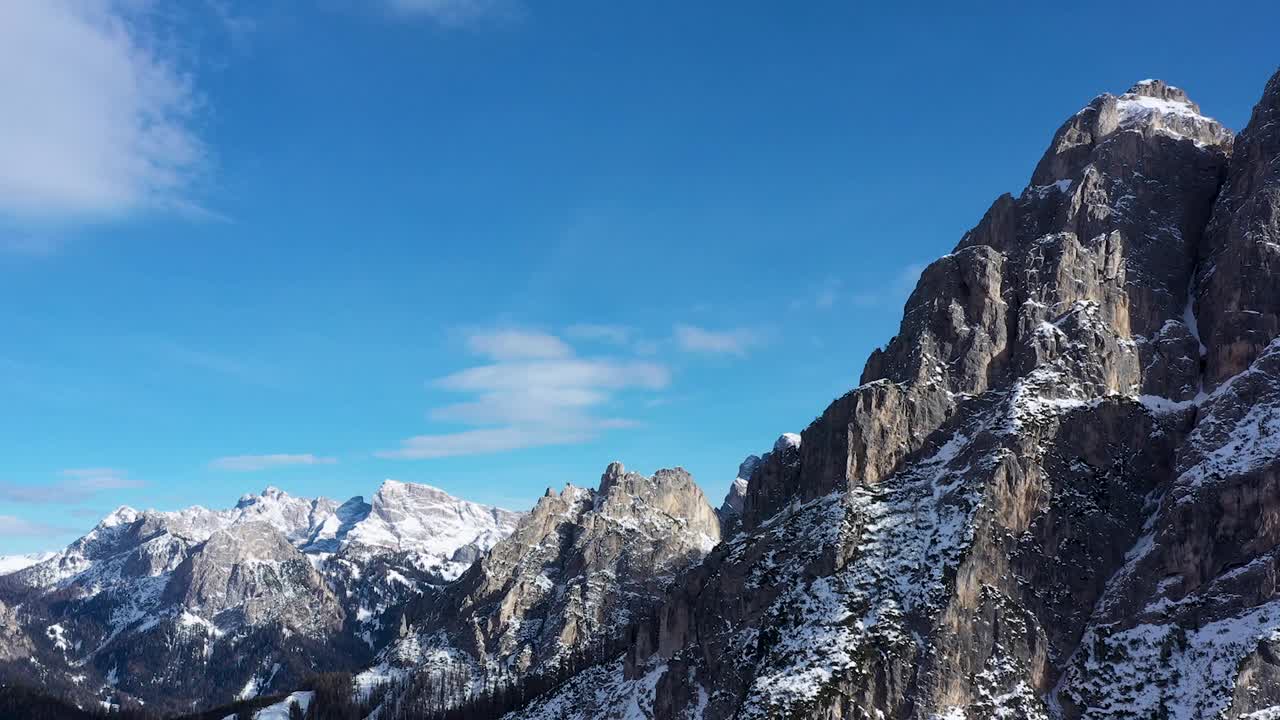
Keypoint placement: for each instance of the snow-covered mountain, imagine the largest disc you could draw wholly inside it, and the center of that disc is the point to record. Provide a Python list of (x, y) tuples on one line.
[(578, 571), (1054, 494), (149, 605), (14, 563), (428, 522)]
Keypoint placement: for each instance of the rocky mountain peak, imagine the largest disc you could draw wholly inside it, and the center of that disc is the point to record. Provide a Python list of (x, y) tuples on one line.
[(1151, 106), (731, 508), (1052, 495), (353, 508), (616, 480), (122, 515), (786, 441), (613, 473), (269, 494), (1161, 90), (581, 566), (446, 533), (1151, 109), (399, 491)]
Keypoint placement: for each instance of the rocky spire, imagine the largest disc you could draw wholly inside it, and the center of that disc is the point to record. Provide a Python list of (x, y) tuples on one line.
[(578, 569)]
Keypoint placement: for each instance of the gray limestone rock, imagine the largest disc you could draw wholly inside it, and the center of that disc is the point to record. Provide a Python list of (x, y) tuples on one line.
[(1057, 491)]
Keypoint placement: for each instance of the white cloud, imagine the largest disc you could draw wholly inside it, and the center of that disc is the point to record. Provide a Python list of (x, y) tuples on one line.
[(521, 406), (250, 463), (96, 122), (457, 13), (558, 374), (517, 345), (75, 486), (530, 402), (11, 526), (483, 441), (692, 338)]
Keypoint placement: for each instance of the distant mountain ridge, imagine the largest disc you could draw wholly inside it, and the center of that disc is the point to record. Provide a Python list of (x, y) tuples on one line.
[(145, 603), (1054, 495)]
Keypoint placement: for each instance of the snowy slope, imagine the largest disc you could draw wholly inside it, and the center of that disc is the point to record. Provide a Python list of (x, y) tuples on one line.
[(278, 582), (14, 563)]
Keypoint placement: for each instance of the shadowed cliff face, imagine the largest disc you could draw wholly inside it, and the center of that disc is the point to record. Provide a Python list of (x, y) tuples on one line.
[(1056, 492)]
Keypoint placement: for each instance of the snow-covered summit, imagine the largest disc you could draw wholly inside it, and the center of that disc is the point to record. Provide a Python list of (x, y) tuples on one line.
[(410, 517), (1155, 107), (14, 563), (200, 577), (122, 515), (786, 440), (403, 517)]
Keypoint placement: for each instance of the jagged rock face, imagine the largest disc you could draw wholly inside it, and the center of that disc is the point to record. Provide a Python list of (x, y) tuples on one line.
[(204, 605), (1037, 504), (1237, 300), (14, 644), (253, 573), (577, 570)]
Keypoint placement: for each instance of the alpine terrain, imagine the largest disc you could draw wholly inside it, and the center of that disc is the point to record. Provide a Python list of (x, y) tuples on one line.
[(183, 610), (1055, 494)]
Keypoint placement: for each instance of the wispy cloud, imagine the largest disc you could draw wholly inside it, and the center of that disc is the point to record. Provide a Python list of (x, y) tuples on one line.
[(12, 526), (518, 345), (484, 441), (893, 293), (97, 121), (692, 338), (459, 13), (251, 463), (75, 485), (529, 400)]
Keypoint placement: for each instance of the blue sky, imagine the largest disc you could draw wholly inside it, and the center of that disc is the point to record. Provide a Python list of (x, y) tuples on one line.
[(492, 245)]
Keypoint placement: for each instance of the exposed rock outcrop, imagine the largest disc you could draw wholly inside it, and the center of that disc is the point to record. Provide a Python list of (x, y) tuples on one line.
[(578, 570), (1052, 495)]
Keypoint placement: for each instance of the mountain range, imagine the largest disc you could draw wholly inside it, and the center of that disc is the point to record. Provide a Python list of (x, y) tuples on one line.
[(1055, 493)]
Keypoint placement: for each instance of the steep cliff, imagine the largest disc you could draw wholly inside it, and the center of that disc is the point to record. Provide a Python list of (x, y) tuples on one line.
[(578, 570), (1055, 492)]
